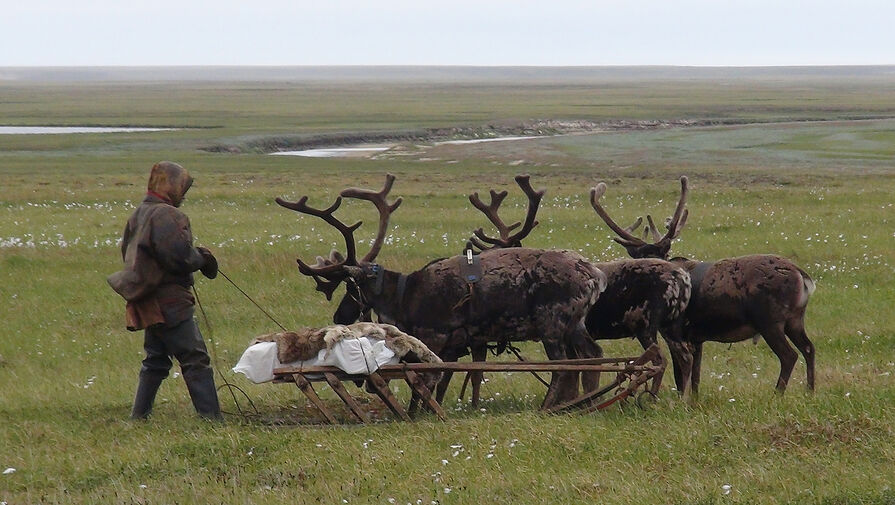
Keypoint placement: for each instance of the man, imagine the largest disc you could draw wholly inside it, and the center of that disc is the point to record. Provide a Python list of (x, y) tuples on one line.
[(159, 261)]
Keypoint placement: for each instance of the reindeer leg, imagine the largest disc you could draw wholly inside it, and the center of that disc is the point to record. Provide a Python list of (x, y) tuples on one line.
[(682, 361), (678, 373), (696, 369), (562, 388), (478, 354), (586, 347), (674, 335), (795, 330), (646, 339), (448, 355), (442, 386), (675, 349), (776, 339), (463, 387)]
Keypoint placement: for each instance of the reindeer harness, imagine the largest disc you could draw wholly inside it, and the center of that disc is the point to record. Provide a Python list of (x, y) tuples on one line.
[(377, 270), (470, 267), (471, 271)]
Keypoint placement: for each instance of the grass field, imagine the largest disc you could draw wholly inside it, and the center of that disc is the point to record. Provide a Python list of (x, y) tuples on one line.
[(813, 182)]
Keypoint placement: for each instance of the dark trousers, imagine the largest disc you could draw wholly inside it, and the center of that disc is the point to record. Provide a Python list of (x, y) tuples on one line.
[(182, 341)]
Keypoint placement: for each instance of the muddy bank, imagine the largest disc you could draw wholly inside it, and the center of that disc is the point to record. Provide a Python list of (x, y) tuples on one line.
[(534, 128), (432, 135)]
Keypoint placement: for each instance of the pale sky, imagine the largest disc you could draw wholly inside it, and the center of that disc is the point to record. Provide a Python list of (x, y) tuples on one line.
[(459, 32)]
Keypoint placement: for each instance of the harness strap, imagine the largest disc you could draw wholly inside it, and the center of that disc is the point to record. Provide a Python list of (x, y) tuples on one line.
[(402, 288), (380, 278), (471, 271)]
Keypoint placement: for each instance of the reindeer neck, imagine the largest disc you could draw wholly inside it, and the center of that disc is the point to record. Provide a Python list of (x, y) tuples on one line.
[(686, 263), (385, 294), (696, 269)]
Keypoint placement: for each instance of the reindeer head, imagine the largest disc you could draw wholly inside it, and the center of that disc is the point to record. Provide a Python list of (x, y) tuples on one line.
[(483, 241), (328, 273), (640, 248)]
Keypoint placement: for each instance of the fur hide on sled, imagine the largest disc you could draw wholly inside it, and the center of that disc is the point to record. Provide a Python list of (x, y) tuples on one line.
[(305, 343)]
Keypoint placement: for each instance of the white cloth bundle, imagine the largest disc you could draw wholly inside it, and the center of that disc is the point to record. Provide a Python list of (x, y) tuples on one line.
[(359, 355)]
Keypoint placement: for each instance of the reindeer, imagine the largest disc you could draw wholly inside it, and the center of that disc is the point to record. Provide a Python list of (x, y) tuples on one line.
[(733, 299), (524, 294), (642, 296)]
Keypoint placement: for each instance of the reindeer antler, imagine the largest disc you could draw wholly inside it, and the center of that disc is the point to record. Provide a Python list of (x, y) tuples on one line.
[(385, 211), (639, 248), (625, 236), (329, 272), (676, 223), (328, 269), (490, 211)]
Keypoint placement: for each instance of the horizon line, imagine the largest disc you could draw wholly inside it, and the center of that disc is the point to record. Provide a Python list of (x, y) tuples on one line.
[(450, 65)]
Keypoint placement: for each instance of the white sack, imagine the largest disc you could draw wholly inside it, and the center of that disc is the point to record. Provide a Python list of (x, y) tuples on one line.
[(258, 361), (353, 355)]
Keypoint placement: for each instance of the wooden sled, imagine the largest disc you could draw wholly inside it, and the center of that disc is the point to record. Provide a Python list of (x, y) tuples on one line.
[(631, 377)]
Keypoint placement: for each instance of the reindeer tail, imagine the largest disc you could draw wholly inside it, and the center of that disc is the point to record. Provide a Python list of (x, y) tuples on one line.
[(808, 287)]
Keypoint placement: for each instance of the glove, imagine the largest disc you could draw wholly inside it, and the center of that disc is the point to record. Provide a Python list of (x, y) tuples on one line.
[(210, 267)]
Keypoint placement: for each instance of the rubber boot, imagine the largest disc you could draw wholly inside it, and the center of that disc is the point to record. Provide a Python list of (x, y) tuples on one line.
[(146, 390), (200, 384)]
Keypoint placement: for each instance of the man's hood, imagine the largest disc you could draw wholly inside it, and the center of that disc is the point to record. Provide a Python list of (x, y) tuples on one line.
[(170, 181)]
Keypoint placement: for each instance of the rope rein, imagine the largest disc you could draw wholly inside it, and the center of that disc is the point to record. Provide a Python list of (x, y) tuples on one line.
[(251, 300), (217, 366)]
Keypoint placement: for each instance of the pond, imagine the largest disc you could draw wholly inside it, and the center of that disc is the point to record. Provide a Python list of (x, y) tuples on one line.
[(334, 152), (56, 130), (479, 141)]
